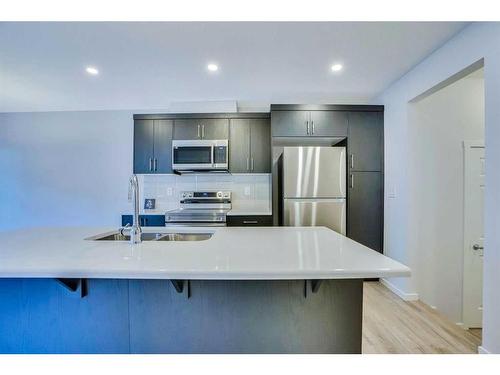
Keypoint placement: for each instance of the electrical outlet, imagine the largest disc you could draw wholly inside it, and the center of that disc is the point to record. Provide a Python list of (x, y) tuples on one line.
[(247, 191)]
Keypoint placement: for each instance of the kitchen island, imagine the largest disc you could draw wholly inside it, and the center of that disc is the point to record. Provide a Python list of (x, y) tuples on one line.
[(243, 290)]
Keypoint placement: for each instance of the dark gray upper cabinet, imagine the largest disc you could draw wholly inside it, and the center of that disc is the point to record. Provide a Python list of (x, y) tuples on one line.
[(250, 146), (289, 123), (365, 209), (239, 146), (163, 146), (153, 146), (143, 146), (309, 123), (260, 145), (215, 128), (328, 123), (201, 129), (187, 129), (365, 141)]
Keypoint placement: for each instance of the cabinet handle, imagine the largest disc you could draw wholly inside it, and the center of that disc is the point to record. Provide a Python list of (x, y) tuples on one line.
[(151, 164), (312, 125), (199, 131), (252, 163), (155, 164), (250, 222), (307, 127), (248, 164), (352, 161), (202, 131), (352, 181)]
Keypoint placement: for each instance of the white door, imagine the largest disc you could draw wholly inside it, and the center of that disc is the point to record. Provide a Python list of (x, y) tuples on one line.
[(473, 234)]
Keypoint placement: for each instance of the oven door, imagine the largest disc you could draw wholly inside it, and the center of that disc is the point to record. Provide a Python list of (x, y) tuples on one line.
[(192, 155)]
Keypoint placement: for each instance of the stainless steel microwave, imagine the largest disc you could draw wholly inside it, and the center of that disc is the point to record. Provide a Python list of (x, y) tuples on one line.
[(200, 155)]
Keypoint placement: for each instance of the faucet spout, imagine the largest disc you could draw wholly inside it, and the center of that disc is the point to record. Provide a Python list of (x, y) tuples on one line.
[(135, 230)]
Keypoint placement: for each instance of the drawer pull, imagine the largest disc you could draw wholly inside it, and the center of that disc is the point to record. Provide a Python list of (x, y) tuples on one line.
[(250, 222)]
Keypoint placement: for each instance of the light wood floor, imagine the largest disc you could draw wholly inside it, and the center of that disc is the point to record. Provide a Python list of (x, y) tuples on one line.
[(391, 325)]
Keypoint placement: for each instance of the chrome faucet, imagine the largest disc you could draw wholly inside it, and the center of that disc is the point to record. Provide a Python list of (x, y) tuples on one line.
[(135, 230)]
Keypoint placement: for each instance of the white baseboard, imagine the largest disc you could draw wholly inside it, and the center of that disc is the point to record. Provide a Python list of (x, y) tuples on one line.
[(483, 350), (403, 295)]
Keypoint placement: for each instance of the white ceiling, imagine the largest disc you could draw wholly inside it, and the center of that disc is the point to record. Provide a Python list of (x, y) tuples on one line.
[(150, 65)]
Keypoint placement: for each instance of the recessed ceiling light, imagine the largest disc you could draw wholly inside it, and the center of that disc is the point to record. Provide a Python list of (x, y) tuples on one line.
[(92, 70), (336, 67), (212, 67)]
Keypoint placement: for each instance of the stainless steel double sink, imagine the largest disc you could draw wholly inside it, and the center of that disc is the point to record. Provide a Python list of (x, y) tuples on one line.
[(117, 236)]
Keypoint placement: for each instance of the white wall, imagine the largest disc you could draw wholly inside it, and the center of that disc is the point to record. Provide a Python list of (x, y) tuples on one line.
[(72, 168), (439, 124), (477, 41), (64, 168)]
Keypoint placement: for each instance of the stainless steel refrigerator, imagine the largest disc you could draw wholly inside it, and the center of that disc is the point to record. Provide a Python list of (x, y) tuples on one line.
[(314, 187)]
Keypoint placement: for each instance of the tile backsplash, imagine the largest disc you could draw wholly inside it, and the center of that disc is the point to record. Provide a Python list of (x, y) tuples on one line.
[(251, 192)]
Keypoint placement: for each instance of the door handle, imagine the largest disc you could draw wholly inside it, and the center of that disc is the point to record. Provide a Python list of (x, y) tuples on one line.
[(202, 131), (352, 181), (352, 161), (312, 126), (248, 164), (151, 164), (307, 127), (199, 131), (155, 164), (252, 162), (250, 222), (477, 247)]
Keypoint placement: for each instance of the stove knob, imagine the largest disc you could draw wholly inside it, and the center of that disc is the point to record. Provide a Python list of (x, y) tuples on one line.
[(219, 194)]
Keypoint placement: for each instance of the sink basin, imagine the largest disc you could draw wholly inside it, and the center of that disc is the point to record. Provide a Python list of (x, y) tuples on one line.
[(184, 237), (117, 236)]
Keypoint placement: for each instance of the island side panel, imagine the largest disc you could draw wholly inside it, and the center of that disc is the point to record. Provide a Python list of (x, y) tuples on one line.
[(268, 316), (41, 316)]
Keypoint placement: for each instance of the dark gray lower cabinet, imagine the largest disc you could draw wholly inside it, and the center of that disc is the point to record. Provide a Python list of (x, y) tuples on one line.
[(365, 209), (246, 316), (250, 221), (41, 316)]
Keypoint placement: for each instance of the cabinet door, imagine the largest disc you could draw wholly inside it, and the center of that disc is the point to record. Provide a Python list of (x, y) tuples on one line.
[(250, 221), (143, 146), (329, 123), (214, 128), (187, 129), (365, 209), (365, 142), (260, 146), (289, 123), (163, 146), (239, 146)]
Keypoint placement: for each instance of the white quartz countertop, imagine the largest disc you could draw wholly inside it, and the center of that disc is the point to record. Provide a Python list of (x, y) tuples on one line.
[(241, 212), (233, 253)]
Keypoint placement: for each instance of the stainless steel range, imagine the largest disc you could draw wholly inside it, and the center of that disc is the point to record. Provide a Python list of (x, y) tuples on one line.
[(201, 208)]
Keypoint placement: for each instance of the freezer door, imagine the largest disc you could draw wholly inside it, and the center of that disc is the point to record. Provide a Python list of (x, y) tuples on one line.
[(314, 172), (329, 213)]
